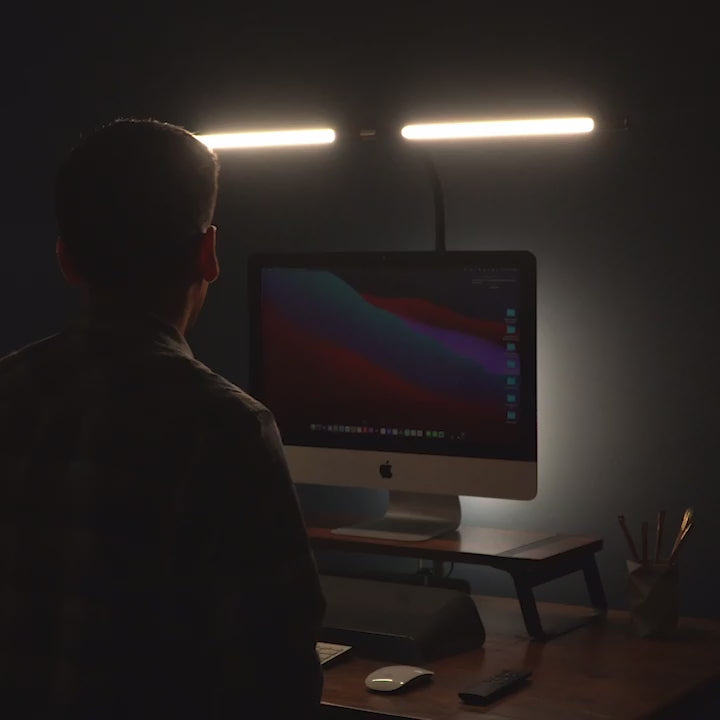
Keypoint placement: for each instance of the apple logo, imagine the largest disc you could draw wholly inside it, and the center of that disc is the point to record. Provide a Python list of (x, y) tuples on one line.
[(386, 470)]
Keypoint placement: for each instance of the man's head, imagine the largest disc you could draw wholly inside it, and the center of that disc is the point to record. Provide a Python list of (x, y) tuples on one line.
[(134, 204)]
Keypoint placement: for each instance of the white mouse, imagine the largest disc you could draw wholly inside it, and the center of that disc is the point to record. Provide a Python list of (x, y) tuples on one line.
[(395, 677)]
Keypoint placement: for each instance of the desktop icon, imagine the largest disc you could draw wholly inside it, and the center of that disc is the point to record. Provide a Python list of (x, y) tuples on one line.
[(510, 312), (511, 347), (511, 380), (511, 415), (512, 363), (511, 329), (511, 398)]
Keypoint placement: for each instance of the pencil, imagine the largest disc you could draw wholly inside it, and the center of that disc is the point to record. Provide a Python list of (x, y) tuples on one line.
[(690, 516), (686, 522), (658, 537), (679, 542), (628, 537), (644, 534), (687, 515)]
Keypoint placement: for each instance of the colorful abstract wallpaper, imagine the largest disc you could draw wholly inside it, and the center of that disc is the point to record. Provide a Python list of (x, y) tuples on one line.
[(434, 354)]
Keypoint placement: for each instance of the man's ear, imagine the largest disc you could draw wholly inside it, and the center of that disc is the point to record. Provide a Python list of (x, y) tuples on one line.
[(67, 267), (208, 265)]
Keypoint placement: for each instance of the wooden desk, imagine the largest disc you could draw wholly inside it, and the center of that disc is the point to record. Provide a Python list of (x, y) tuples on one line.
[(599, 671), (531, 558)]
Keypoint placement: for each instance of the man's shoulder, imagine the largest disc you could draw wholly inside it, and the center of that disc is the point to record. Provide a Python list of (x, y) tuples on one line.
[(219, 396), (220, 393), (228, 421)]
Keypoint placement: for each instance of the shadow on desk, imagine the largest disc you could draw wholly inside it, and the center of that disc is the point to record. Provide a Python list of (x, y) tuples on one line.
[(705, 704)]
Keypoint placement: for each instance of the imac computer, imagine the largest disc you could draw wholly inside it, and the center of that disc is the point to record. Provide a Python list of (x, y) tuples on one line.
[(414, 372)]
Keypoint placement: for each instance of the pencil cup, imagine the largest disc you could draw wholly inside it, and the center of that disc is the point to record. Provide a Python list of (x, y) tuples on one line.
[(653, 589)]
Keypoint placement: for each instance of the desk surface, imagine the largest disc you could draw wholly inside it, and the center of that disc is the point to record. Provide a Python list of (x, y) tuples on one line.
[(598, 671)]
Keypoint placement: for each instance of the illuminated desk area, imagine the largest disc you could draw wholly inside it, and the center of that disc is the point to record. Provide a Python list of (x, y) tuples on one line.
[(598, 671)]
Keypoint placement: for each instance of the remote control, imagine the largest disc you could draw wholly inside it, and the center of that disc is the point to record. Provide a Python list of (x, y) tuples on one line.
[(494, 687)]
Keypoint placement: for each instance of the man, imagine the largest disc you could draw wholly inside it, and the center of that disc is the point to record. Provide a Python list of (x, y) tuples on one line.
[(153, 557)]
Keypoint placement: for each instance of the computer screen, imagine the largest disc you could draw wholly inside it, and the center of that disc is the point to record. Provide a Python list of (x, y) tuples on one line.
[(422, 361)]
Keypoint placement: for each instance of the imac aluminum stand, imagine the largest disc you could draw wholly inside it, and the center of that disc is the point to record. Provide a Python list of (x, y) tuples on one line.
[(411, 517)]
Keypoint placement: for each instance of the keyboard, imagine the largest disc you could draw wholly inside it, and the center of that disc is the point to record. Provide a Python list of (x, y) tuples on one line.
[(329, 653)]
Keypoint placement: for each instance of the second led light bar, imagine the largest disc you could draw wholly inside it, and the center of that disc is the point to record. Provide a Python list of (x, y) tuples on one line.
[(498, 128)]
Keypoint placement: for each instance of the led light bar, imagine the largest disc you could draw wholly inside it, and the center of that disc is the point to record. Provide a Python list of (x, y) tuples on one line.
[(268, 138), (498, 128)]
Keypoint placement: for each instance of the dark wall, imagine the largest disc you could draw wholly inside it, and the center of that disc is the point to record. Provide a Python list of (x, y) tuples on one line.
[(620, 222)]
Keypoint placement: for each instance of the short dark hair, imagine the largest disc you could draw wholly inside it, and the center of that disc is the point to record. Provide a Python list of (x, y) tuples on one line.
[(132, 200)]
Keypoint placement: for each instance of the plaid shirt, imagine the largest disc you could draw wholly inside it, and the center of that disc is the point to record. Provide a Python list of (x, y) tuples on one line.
[(153, 557)]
